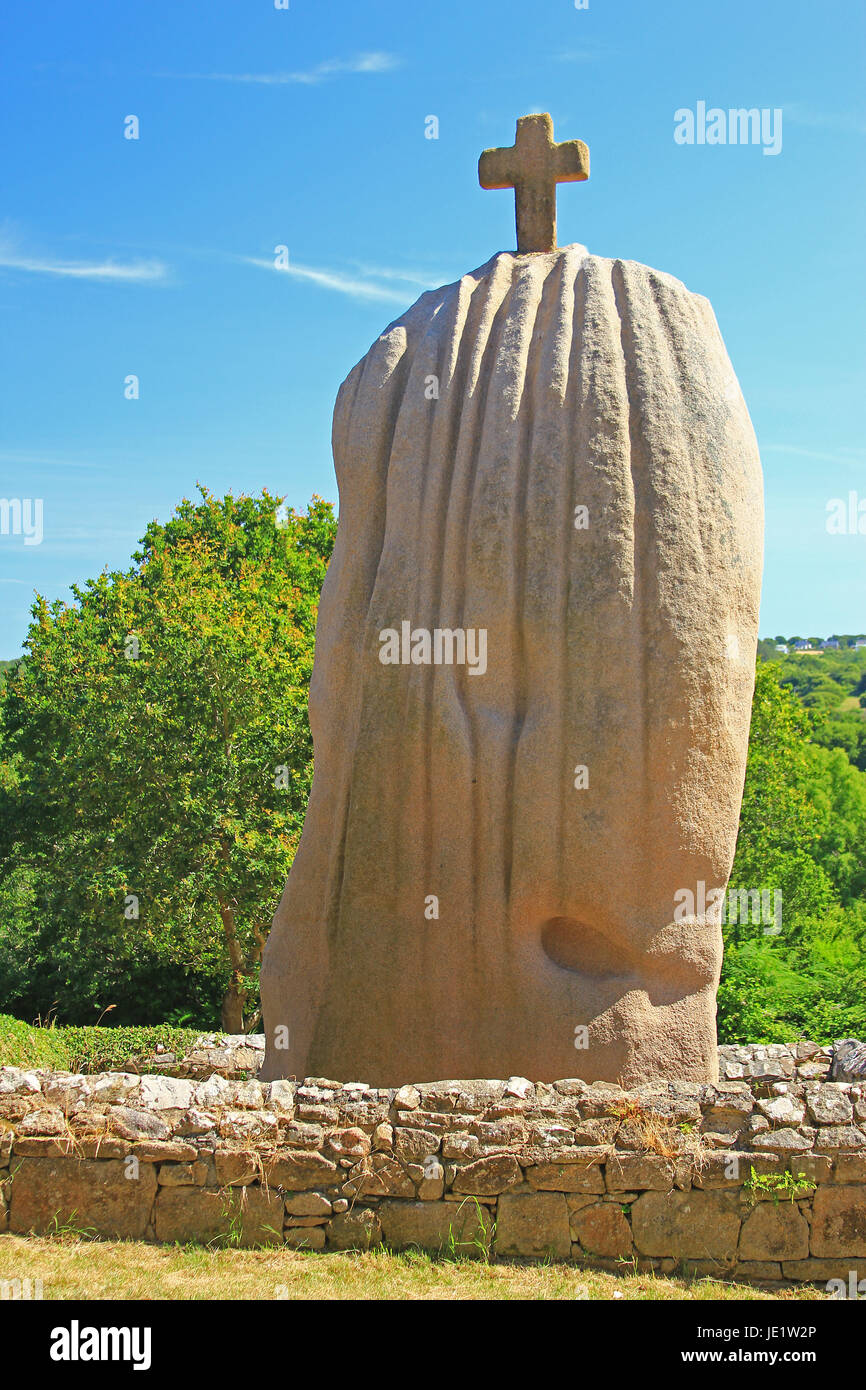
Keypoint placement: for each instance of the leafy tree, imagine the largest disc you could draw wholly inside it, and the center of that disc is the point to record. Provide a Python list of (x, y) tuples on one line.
[(802, 831), (158, 765), (780, 827)]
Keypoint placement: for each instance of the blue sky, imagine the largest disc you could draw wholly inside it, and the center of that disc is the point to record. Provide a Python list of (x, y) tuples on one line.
[(305, 128)]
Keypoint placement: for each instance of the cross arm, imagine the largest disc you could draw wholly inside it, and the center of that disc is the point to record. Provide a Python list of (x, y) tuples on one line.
[(572, 162), (496, 169)]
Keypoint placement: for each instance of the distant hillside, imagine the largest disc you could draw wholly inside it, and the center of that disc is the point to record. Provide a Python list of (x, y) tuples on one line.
[(832, 684), (7, 668)]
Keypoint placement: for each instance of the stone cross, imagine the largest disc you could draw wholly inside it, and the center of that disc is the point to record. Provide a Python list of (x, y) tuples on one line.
[(533, 166)]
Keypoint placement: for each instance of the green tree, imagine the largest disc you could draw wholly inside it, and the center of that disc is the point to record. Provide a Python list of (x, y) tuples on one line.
[(780, 826), (803, 832), (159, 761)]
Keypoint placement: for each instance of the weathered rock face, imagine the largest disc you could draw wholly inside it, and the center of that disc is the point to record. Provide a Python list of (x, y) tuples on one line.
[(552, 795)]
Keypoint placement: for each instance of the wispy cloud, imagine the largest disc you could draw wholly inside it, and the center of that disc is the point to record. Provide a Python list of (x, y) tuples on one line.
[(28, 458), (355, 287), (591, 51), (846, 122), (131, 271), (847, 458), (409, 277), (309, 77)]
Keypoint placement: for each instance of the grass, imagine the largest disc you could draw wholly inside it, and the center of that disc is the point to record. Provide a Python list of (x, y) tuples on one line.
[(778, 1185), (72, 1268), (87, 1049)]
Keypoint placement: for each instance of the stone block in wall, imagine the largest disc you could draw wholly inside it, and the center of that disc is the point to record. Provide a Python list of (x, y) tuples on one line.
[(687, 1225), (312, 1204), (461, 1146), (729, 1168), (129, 1123), (463, 1227), (297, 1172), (201, 1214), (85, 1194), (102, 1147), (165, 1093), (625, 1171), (442, 1123), (237, 1167), (163, 1151), (838, 1221), (813, 1168), (533, 1224), (603, 1098), (850, 1167), (488, 1176), (784, 1141), (414, 1145), (579, 1171), (430, 1180), (351, 1143), (196, 1122), (357, 1229), (327, 1115), (602, 1229), (248, 1126), (46, 1120), (761, 1271), (813, 1071), (45, 1146), (378, 1176), (295, 1135), (462, 1097), (829, 1104), (280, 1097), (305, 1238), (774, 1231), (782, 1110), (182, 1174), (831, 1138), (594, 1132), (818, 1271)]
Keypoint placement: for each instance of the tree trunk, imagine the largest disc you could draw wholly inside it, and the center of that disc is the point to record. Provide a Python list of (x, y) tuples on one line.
[(232, 1013)]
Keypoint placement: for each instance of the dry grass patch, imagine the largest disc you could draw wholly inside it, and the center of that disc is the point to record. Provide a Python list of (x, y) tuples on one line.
[(71, 1268)]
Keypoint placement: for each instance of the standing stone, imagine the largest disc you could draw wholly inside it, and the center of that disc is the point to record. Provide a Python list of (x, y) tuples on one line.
[(551, 459)]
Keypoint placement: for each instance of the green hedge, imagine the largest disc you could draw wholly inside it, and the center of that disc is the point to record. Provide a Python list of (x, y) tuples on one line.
[(23, 1046), (87, 1049)]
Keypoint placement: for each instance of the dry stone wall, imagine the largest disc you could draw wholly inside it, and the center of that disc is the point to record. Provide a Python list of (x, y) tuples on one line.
[(761, 1176)]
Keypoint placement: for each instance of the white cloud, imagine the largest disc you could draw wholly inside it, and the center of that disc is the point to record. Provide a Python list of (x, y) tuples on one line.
[(332, 280), (27, 458), (410, 277), (581, 55), (333, 67), (846, 458), (848, 122), (132, 271)]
